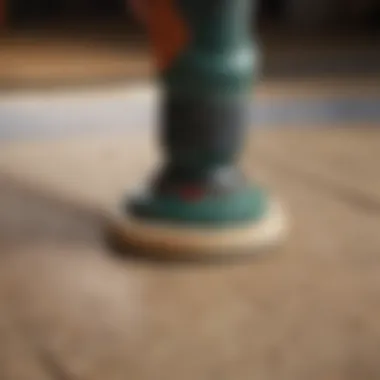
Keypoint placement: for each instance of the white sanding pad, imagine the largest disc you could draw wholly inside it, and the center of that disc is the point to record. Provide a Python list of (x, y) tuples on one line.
[(176, 241)]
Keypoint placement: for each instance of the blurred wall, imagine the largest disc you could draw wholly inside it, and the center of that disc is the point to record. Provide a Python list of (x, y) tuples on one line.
[(305, 14), (314, 14)]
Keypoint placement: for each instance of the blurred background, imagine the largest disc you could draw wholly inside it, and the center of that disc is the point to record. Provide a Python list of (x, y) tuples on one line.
[(320, 38), (309, 48)]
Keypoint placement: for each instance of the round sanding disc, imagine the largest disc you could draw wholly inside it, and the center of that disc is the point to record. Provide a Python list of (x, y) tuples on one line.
[(176, 241)]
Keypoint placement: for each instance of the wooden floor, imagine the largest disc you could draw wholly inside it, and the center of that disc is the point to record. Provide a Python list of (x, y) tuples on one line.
[(72, 310)]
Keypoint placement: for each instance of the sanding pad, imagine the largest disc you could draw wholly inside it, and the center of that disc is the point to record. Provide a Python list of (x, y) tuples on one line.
[(178, 241)]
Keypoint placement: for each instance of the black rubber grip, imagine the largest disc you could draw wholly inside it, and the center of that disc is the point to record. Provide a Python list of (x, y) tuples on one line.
[(203, 130)]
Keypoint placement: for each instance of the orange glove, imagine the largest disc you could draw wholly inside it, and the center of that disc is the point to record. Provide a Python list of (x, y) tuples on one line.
[(139, 7), (166, 27)]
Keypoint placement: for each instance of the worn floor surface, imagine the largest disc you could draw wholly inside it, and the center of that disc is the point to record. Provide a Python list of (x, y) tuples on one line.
[(69, 309)]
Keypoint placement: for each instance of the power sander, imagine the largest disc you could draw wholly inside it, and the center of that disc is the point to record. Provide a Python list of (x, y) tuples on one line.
[(200, 204)]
